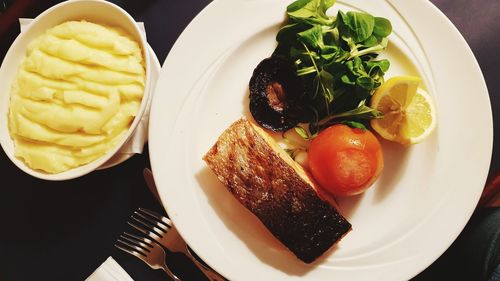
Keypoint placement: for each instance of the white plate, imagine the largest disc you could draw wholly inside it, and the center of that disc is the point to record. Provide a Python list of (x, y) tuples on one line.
[(416, 209)]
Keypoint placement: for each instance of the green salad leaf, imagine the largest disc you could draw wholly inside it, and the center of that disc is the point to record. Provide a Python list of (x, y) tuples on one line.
[(336, 59), (382, 28), (302, 132), (354, 124), (310, 11), (357, 26)]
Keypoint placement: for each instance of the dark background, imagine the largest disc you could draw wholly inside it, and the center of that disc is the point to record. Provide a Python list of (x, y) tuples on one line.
[(65, 230)]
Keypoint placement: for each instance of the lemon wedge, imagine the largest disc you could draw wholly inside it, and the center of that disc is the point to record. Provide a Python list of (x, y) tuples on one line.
[(409, 112)]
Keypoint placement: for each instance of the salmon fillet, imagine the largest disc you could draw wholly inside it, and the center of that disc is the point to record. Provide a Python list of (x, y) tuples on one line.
[(276, 189)]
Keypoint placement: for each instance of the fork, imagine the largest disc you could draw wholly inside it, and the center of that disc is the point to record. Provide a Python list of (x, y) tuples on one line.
[(162, 230), (145, 249)]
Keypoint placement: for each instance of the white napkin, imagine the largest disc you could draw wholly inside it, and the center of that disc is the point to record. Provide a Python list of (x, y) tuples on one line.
[(135, 145), (109, 270)]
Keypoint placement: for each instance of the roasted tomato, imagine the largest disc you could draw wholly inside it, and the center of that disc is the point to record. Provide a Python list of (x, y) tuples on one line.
[(345, 160)]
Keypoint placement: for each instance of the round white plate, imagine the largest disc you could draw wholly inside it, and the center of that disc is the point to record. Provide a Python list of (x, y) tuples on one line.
[(415, 210)]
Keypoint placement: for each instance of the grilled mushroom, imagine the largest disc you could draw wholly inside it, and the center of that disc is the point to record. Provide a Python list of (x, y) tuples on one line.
[(274, 92)]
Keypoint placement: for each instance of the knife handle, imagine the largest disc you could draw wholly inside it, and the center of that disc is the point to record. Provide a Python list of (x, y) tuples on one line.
[(211, 274)]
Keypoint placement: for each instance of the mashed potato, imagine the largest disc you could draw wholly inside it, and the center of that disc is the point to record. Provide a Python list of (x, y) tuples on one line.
[(75, 95)]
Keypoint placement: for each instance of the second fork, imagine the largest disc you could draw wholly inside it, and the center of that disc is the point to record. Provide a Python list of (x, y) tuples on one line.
[(162, 230), (145, 249)]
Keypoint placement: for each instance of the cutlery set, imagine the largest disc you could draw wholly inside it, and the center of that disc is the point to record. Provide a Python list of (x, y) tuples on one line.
[(159, 234)]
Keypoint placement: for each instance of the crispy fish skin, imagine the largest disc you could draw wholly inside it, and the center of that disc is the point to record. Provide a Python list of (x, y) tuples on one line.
[(276, 189)]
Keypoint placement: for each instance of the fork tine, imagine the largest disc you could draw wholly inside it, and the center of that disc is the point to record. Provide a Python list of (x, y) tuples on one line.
[(157, 216), (143, 230), (136, 254), (153, 222), (134, 247), (132, 252), (136, 241), (149, 226), (143, 239)]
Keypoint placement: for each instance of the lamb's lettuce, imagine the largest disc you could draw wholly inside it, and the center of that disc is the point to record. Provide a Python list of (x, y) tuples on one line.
[(336, 57)]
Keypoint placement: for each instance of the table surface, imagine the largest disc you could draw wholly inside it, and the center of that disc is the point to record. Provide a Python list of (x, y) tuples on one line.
[(65, 230)]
